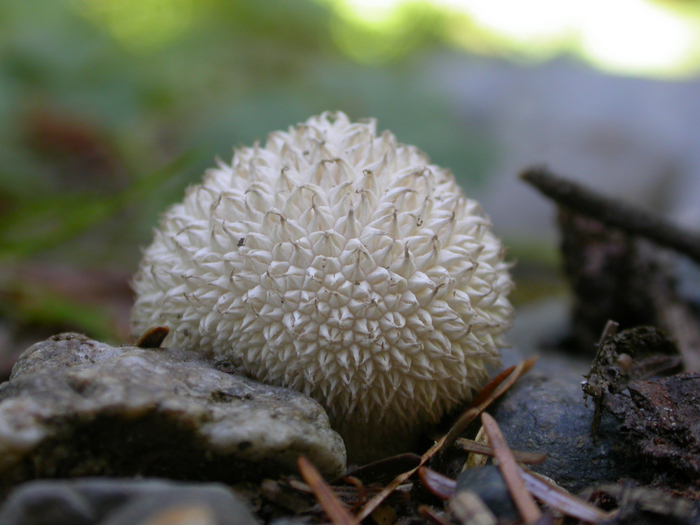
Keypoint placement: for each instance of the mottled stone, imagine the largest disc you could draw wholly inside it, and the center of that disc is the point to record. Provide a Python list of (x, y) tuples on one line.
[(95, 501), (77, 407)]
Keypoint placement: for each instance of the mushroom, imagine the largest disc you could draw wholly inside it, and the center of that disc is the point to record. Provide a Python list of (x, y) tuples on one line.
[(339, 263)]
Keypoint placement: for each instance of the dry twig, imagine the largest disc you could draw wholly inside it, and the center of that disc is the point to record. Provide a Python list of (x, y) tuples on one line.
[(439, 486), (527, 507), (609, 332), (324, 494), (561, 500), (551, 495), (614, 212), (471, 413), (502, 384), (361, 491), (528, 458)]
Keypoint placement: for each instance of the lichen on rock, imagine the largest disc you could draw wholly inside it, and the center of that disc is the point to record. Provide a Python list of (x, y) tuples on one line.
[(76, 407)]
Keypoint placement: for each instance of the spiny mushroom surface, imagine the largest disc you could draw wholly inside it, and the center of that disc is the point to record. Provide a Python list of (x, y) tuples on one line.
[(340, 263)]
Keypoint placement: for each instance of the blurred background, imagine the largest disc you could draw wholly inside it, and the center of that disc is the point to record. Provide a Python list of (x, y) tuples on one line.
[(110, 108)]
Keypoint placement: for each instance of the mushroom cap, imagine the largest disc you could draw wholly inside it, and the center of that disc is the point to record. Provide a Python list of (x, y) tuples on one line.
[(339, 263)]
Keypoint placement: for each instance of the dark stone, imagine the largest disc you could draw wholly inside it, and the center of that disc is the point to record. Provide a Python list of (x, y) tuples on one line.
[(545, 412), (487, 483)]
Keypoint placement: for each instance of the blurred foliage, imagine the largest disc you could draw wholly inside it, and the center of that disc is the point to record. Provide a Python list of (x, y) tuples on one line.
[(43, 222), (104, 102), (39, 307), (659, 38)]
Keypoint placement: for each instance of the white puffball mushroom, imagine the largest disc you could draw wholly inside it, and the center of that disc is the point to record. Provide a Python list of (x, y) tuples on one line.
[(339, 263)]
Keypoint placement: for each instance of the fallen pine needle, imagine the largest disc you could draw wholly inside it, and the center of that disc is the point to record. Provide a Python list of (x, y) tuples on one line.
[(502, 383), (495, 389), (361, 491), (427, 513), (491, 387), (529, 510), (559, 499), (324, 494), (440, 486), (528, 458)]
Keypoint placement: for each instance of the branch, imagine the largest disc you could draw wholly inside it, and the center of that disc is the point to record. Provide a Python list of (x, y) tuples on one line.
[(613, 212)]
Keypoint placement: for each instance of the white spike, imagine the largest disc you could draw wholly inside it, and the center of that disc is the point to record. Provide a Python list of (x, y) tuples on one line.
[(341, 264)]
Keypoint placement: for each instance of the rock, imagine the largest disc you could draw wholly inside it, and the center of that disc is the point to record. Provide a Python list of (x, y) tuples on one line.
[(123, 502), (487, 483), (545, 412), (661, 424), (76, 407)]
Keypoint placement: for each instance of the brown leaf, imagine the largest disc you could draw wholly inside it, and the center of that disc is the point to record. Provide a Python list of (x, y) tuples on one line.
[(153, 337)]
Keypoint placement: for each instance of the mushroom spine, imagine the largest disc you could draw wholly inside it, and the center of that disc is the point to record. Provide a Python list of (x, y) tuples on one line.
[(340, 263)]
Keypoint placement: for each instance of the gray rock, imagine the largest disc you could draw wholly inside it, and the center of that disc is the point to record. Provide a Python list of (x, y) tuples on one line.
[(487, 483), (289, 521), (76, 407), (123, 502), (545, 412)]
